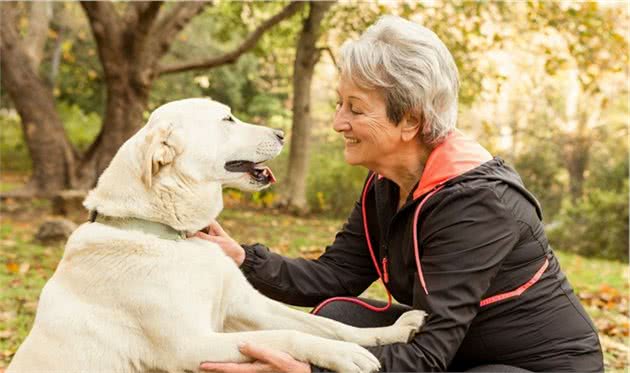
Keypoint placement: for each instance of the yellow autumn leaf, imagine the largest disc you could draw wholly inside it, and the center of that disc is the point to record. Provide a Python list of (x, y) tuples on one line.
[(13, 267)]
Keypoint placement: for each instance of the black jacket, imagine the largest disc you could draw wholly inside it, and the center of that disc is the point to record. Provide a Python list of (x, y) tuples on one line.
[(479, 236)]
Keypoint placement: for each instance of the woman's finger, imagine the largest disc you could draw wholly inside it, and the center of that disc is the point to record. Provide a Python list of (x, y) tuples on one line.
[(221, 367), (208, 237), (256, 367), (203, 235), (263, 354), (216, 229)]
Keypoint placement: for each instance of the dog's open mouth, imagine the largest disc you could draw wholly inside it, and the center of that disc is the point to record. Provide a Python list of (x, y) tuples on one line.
[(257, 171)]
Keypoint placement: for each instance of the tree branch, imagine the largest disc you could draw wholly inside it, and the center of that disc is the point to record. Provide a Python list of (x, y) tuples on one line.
[(9, 35), (103, 18), (106, 28), (232, 56), (40, 14), (8, 14), (140, 18), (170, 24), (331, 55), (140, 15)]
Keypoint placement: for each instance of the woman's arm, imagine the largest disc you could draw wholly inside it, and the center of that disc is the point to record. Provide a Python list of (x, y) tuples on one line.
[(345, 269)]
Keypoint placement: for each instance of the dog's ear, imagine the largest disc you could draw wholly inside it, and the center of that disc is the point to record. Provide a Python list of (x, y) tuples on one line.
[(158, 150)]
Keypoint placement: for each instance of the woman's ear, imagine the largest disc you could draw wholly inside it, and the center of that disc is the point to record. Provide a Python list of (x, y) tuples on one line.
[(410, 126)]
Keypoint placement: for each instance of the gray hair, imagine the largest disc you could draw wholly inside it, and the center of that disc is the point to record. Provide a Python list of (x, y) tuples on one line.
[(414, 70)]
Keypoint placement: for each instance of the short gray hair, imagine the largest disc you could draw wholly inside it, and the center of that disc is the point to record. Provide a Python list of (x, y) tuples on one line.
[(412, 67)]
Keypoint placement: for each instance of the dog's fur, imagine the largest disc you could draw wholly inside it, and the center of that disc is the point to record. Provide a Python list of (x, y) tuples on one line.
[(124, 300)]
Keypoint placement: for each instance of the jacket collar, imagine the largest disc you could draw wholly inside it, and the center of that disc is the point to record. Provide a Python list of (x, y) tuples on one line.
[(456, 155)]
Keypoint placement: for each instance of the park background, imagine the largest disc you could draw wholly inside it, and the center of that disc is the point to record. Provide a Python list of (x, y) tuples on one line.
[(544, 86)]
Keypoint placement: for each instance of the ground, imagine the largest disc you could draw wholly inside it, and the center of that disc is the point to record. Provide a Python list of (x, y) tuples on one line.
[(26, 265)]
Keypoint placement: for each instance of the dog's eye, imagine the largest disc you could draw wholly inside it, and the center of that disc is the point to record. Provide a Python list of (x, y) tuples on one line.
[(228, 119)]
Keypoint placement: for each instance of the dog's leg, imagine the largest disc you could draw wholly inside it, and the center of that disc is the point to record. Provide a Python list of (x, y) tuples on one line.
[(223, 347), (256, 312)]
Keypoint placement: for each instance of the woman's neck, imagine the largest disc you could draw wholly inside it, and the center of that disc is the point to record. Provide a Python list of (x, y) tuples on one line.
[(407, 169)]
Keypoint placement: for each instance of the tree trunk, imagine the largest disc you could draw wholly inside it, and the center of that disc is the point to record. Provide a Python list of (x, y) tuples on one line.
[(126, 103), (577, 154), (51, 152), (583, 111), (306, 58), (39, 19)]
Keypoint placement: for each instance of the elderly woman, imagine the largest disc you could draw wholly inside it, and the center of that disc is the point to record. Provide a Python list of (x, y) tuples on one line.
[(448, 229)]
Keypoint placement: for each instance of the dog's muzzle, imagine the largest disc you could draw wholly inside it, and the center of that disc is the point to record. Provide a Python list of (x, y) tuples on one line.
[(262, 174)]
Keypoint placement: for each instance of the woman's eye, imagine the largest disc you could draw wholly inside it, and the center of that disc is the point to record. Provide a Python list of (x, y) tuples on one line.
[(337, 105), (354, 111)]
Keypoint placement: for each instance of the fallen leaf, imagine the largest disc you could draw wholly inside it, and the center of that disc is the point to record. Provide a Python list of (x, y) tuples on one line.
[(7, 315), (7, 243), (24, 268), (13, 267)]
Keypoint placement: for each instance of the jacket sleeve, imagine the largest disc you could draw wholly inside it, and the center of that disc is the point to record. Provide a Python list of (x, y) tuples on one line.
[(345, 269), (464, 241)]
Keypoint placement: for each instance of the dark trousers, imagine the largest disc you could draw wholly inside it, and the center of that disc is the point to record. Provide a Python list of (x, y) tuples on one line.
[(358, 316)]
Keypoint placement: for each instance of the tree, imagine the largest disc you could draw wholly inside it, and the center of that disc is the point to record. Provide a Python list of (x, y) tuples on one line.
[(595, 63), (603, 57), (306, 57), (48, 145), (131, 40)]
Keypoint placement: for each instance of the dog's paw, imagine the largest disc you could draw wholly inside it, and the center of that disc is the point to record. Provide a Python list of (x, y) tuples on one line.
[(347, 357), (409, 324)]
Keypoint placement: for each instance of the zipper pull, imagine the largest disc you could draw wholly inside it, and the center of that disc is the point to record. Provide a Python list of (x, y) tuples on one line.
[(385, 273)]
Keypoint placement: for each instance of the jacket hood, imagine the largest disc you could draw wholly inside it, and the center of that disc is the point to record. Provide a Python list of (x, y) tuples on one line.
[(458, 159), (456, 155)]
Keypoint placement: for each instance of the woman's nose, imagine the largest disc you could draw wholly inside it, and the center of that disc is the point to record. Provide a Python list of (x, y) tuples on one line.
[(341, 122)]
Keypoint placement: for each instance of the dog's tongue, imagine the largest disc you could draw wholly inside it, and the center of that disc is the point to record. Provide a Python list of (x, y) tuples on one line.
[(267, 172)]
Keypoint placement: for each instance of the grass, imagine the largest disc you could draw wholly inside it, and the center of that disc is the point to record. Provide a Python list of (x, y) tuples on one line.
[(589, 274), (26, 265)]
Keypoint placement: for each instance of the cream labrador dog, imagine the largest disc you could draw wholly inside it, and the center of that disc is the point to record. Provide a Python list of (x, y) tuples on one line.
[(132, 294)]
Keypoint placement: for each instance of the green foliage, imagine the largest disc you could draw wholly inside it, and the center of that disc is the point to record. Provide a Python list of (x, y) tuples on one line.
[(593, 39), (540, 167), (257, 85), (78, 79), (332, 185), (13, 151), (238, 86), (596, 226), (80, 127)]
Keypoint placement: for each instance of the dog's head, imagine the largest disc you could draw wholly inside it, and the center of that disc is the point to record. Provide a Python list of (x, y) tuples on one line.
[(202, 139), (174, 168)]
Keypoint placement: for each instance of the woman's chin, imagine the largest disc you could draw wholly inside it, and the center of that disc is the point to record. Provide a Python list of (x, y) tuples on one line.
[(351, 158)]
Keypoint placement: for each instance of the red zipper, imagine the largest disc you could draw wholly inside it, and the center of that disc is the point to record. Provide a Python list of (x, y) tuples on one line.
[(385, 272)]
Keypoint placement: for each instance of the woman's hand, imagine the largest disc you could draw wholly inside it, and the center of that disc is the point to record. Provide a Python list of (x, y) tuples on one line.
[(267, 361), (230, 247)]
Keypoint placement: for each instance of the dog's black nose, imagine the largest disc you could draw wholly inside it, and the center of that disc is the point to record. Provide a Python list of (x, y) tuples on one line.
[(280, 135)]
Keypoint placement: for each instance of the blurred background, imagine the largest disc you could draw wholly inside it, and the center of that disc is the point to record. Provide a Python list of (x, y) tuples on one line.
[(544, 86)]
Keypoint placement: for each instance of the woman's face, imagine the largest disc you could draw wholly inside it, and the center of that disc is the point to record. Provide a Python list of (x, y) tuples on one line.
[(371, 139)]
